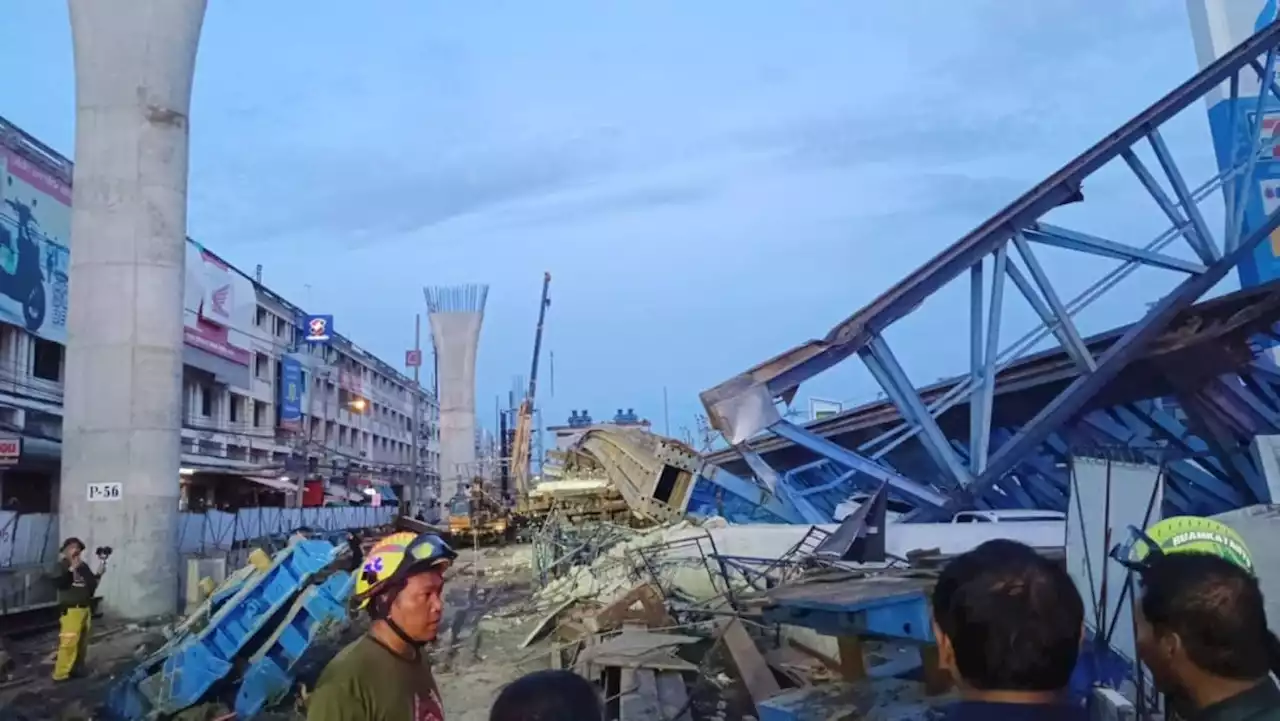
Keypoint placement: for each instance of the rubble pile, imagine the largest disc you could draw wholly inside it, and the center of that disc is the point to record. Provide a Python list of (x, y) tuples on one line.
[(700, 621)]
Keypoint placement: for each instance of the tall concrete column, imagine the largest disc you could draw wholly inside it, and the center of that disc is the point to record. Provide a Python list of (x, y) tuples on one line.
[(122, 417), (456, 315)]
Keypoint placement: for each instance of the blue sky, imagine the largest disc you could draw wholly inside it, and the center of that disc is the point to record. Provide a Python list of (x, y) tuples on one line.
[(709, 183)]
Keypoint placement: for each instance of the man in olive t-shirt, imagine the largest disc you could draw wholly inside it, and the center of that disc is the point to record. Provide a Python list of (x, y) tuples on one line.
[(367, 681), (384, 676)]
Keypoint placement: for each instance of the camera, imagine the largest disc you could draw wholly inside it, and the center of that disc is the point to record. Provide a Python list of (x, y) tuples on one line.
[(103, 552)]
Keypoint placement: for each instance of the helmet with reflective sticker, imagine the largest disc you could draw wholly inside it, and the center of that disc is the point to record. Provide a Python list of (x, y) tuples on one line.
[(1191, 534), (396, 556)]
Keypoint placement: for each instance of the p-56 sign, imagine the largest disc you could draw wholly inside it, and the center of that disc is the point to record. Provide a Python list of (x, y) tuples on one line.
[(106, 491)]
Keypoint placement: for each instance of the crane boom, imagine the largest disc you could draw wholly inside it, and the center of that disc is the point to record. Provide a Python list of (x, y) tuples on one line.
[(524, 420)]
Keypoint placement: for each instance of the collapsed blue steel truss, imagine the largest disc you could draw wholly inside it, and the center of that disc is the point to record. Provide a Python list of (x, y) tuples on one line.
[(999, 466)]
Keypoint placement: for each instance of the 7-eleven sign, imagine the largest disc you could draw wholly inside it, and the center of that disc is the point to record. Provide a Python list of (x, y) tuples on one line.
[(1270, 189), (1267, 140)]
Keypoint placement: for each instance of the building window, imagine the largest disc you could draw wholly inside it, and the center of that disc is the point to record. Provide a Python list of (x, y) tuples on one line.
[(259, 413), (46, 360), (235, 408), (260, 367), (206, 401), (261, 318)]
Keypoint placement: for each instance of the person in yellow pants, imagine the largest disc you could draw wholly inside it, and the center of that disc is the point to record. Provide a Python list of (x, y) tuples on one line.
[(73, 642), (76, 584)]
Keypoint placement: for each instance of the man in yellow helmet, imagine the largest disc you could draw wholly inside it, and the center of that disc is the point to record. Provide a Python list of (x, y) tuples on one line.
[(1201, 622), (384, 674)]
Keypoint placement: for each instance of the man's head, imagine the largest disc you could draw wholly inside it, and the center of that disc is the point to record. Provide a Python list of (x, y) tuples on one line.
[(72, 548), (417, 606), (1007, 619), (548, 696), (1201, 617)]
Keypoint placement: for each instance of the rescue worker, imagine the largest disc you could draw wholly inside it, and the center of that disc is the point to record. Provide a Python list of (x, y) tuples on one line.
[(76, 584), (384, 675), (1201, 621)]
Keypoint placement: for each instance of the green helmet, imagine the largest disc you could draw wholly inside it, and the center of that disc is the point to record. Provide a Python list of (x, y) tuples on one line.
[(1185, 534)]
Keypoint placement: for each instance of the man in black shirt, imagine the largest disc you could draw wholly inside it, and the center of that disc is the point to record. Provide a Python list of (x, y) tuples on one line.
[(1202, 630), (1008, 624), (76, 584)]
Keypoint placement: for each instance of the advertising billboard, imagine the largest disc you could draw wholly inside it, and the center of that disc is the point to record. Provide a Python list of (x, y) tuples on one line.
[(1217, 26), (290, 393), (219, 307), (35, 232), (35, 258), (318, 329)]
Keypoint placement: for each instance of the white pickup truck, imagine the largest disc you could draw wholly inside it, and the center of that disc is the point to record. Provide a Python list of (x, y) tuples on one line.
[(1008, 516)]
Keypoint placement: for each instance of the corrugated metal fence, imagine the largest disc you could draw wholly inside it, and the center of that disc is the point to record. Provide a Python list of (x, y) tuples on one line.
[(29, 541)]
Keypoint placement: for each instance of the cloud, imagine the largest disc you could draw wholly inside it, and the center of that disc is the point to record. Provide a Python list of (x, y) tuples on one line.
[(358, 194)]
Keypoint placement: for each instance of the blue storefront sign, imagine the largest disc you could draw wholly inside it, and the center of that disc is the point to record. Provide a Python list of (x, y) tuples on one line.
[(290, 393), (318, 329), (1246, 120)]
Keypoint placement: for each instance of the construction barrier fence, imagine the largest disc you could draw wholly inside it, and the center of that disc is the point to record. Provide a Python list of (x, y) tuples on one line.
[(29, 541)]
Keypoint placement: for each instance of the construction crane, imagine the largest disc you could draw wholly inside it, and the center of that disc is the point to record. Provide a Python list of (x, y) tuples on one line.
[(523, 439)]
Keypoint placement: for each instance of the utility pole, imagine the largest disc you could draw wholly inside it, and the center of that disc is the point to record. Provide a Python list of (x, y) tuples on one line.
[(415, 486), (666, 417)]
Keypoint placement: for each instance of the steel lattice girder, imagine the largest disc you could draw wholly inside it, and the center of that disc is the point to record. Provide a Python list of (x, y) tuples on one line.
[(1202, 477), (745, 406)]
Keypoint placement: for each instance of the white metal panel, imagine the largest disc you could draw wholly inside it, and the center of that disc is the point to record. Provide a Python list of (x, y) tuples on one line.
[(1106, 498)]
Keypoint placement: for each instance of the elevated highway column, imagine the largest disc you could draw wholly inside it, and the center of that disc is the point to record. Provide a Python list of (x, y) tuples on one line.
[(122, 420)]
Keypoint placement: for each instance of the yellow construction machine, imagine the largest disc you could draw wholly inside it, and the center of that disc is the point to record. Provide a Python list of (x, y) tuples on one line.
[(475, 515)]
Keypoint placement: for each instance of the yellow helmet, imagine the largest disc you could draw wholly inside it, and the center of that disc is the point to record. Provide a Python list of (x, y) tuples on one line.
[(394, 557), (1184, 534)]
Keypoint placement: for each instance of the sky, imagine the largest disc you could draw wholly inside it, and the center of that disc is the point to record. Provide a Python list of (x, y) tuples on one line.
[(708, 183)]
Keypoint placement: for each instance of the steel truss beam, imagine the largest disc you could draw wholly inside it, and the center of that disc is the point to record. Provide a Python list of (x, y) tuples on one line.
[(745, 406)]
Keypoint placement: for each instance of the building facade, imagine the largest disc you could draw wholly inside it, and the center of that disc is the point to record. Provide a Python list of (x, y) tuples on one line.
[(266, 414)]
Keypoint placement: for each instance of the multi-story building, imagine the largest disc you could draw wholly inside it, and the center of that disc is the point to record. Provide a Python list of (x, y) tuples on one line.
[(263, 410)]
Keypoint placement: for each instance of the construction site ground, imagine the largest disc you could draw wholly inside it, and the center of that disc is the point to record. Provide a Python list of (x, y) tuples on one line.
[(488, 613), (667, 628)]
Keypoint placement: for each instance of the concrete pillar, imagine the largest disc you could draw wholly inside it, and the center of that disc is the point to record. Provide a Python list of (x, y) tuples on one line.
[(456, 315), (122, 416)]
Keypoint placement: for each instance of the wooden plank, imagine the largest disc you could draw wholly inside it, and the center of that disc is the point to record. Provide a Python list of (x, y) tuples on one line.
[(752, 667), (547, 623), (673, 697), (937, 680), (638, 643), (643, 604), (658, 660), (850, 594), (853, 663), (639, 696)]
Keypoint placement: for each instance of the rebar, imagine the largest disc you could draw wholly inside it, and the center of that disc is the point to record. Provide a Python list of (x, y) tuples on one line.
[(467, 298)]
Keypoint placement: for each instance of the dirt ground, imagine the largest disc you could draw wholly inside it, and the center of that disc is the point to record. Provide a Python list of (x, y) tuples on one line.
[(488, 613)]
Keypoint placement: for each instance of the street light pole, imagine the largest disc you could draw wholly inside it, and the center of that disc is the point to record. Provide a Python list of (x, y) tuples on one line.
[(415, 493)]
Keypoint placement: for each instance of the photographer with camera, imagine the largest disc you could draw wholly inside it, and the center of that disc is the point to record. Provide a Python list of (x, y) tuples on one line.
[(76, 584)]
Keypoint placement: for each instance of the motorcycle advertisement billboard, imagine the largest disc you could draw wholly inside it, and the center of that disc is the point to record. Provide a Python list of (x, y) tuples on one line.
[(219, 306), (35, 232)]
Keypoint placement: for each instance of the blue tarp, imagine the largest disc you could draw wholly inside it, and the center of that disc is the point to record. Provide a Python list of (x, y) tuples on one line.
[(385, 491)]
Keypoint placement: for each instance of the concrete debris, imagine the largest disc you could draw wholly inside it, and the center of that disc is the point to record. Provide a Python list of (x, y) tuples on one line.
[(669, 621)]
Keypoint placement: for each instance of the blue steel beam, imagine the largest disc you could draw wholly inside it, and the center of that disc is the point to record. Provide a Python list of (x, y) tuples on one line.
[(784, 373), (742, 407), (917, 492)]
